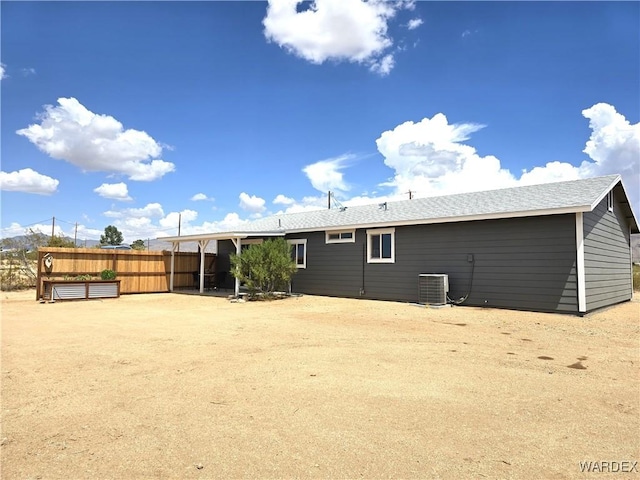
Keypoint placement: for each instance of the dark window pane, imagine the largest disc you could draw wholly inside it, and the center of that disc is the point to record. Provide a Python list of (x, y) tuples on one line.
[(334, 236), (300, 258), (386, 245), (375, 246), (347, 235)]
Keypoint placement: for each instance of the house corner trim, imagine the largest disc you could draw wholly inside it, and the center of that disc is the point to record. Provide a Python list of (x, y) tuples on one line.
[(580, 274)]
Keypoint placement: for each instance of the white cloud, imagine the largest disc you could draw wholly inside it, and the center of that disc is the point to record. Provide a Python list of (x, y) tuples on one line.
[(614, 144), (430, 158), (28, 71), (414, 23), (613, 147), (149, 210), (183, 218), (114, 191), (3, 71), (283, 200), (252, 203), (198, 197), (230, 222), (96, 142), (327, 174), (338, 30), (28, 181), (83, 232), (384, 65), (307, 204)]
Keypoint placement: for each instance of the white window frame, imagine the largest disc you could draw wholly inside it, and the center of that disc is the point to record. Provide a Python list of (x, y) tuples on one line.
[(610, 200), (340, 239), (251, 241), (381, 231), (299, 241)]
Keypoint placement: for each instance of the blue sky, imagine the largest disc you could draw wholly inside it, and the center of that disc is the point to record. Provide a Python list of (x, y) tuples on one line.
[(129, 114)]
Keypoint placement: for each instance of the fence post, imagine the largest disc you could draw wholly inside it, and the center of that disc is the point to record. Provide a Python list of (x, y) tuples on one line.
[(173, 265), (38, 273)]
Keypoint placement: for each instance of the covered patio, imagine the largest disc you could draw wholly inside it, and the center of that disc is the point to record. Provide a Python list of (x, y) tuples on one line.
[(203, 241)]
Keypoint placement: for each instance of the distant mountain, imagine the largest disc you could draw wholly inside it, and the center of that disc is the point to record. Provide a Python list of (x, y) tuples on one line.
[(154, 244)]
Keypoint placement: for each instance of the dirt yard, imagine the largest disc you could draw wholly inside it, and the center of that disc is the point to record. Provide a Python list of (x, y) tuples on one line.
[(185, 387)]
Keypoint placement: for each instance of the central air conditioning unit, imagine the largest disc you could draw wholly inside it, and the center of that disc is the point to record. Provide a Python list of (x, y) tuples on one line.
[(433, 288)]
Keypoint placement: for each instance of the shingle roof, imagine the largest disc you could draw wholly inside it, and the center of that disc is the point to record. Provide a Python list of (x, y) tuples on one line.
[(572, 196), (545, 199)]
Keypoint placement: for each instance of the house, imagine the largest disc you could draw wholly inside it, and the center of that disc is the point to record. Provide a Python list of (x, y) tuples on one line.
[(557, 247)]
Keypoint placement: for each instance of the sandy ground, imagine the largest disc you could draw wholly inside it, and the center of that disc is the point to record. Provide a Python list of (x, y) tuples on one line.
[(187, 387)]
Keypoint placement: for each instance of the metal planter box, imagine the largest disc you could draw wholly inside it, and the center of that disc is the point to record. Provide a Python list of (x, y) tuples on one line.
[(80, 289)]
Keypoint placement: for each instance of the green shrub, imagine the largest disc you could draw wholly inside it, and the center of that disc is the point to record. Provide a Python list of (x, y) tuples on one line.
[(265, 268), (80, 278), (107, 274)]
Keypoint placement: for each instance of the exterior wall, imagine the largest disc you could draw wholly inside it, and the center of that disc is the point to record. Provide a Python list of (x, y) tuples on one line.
[(225, 248), (607, 256), (522, 263)]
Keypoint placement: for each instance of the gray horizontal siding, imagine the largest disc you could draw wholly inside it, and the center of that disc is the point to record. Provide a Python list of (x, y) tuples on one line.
[(607, 256), (525, 263)]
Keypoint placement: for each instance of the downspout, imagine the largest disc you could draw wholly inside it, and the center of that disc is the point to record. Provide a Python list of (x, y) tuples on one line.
[(364, 261)]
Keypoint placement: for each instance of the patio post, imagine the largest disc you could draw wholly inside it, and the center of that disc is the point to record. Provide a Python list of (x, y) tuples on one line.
[(202, 244), (238, 251)]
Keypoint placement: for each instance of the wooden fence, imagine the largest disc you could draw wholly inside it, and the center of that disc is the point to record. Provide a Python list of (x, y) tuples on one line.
[(138, 271)]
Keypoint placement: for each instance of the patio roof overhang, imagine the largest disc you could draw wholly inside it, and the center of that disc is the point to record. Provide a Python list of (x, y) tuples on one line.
[(203, 240), (222, 236)]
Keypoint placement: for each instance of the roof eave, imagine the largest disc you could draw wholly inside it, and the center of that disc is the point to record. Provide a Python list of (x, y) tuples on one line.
[(463, 218)]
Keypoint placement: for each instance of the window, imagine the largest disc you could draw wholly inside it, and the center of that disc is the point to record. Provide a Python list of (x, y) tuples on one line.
[(381, 245), (344, 236), (247, 242), (610, 201), (299, 252)]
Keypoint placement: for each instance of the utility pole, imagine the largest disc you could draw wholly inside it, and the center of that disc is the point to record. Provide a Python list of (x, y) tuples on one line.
[(75, 236), (53, 228), (148, 244), (410, 194), (329, 200)]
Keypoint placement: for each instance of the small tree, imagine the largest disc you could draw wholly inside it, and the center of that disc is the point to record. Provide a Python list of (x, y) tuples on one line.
[(138, 245), (60, 241), (19, 260), (266, 267), (112, 236)]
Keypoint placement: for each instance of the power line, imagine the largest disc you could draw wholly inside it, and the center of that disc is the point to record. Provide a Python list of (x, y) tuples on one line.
[(45, 221), (64, 221)]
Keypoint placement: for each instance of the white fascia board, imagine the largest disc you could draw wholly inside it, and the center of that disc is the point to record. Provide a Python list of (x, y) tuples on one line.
[(220, 236), (618, 179), (633, 215), (605, 191)]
